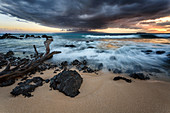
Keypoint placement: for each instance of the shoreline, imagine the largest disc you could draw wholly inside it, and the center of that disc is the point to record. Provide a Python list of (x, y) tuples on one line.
[(98, 93)]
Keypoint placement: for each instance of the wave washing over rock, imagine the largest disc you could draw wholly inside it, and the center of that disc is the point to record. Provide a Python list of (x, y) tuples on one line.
[(118, 56)]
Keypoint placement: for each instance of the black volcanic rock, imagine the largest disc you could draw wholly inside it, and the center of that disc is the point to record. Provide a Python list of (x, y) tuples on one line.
[(37, 37), (140, 76), (72, 46), (147, 35), (84, 62), (160, 52), (64, 64), (99, 66), (67, 82), (7, 83), (5, 35), (21, 35), (47, 81), (25, 88), (168, 55), (45, 36), (147, 51), (91, 47), (117, 71), (26, 36), (89, 70), (9, 54), (112, 58), (81, 67), (13, 37), (32, 36), (8, 36), (76, 62), (122, 78)]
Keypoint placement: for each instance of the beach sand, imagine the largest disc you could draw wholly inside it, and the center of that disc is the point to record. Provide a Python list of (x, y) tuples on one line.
[(98, 94)]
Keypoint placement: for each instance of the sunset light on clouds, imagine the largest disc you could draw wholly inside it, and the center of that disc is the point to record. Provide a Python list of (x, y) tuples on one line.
[(101, 16), (85, 56)]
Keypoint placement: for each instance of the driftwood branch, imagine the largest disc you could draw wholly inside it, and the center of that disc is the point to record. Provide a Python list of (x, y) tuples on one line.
[(47, 45), (35, 49), (27, 66)]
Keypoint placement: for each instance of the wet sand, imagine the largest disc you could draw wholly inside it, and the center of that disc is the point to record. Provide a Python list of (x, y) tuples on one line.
[(98, 94)]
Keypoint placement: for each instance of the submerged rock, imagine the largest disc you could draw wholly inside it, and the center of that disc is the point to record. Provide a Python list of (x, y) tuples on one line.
[(168, 55), (90, 68), (84, 62), (76, 62), (112, 58), (160, 52), (81, 67), (122, 78), (147, 35), (67, 82), (147, 51), (91, 47), (9, 54), (64, 64), (99, 66), (117, 71), (140, 76), (70, 46)]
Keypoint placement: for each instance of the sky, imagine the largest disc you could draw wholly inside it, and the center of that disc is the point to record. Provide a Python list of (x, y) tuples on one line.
[(110, 16)]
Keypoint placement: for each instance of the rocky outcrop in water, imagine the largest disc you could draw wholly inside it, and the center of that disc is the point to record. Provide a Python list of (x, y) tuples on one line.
[(67, 82), (9, 56), (150, 51), (8, 36), (160, 52), (22, 36), (147, 35), (147, 51), (72, 46), (45, 36), (82, 66)]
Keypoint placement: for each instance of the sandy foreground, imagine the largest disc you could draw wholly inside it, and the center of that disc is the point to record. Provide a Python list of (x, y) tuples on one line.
[(98, 94)]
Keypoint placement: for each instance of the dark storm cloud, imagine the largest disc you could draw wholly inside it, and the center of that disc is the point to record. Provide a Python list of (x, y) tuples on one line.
[(86, 14), (147, 22), (163, 23)]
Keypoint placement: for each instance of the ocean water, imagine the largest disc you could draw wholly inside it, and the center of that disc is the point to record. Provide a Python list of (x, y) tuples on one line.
[(115, 51)]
